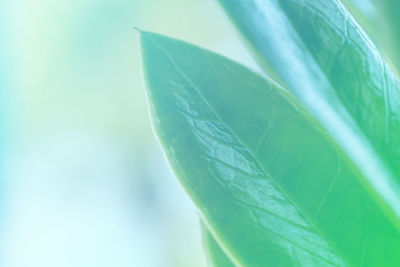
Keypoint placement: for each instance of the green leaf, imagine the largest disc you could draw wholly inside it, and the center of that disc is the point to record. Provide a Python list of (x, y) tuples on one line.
[(215, 255), (390, 26), (271, 184), (367, 15), (379, 18), (323, 56)]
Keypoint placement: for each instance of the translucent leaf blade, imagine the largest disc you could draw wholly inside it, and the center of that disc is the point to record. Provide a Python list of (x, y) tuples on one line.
[(272, 185)]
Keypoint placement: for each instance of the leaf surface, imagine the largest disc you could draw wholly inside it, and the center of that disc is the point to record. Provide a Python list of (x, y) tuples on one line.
[(322, 55), (215, 255), (390, 26), (269, 181)]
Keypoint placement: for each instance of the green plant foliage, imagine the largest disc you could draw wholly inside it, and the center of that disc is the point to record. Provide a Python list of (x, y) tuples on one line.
[(323, 55), (274, 184), (389, 10), (216, 257), (380, 19)]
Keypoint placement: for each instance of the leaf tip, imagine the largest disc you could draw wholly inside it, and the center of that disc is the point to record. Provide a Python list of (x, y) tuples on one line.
[(137, 29)]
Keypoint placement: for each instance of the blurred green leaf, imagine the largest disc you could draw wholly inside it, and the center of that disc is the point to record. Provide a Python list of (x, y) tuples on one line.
[(367, 15), (323, 56), (390, 26), (379, 18), (216, 257), (270, 182)]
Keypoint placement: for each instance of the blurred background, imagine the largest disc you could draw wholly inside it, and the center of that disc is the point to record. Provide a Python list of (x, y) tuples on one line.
[(83, 181)]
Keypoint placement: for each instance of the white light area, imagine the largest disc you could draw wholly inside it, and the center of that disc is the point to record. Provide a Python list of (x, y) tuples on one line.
[(70, 202)]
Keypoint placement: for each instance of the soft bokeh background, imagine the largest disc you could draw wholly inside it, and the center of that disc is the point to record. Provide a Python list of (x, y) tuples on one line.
[(83, 181)]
